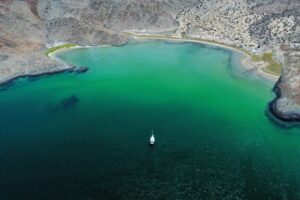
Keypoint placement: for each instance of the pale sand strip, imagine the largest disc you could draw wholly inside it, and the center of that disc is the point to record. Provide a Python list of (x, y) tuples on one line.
[(246, 61)]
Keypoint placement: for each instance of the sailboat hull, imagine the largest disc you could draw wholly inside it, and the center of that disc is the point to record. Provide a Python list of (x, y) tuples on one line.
[(152, 140)]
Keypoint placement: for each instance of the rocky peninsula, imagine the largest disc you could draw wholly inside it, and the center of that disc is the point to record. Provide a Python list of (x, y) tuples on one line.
[(268, 31)]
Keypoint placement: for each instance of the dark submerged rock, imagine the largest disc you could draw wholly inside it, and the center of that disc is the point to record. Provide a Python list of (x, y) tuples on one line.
[(70, 102), (80, 70), (33, 77)]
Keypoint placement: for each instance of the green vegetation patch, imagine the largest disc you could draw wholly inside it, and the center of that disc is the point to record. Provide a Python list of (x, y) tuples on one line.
[(51, 50), (273, 66)]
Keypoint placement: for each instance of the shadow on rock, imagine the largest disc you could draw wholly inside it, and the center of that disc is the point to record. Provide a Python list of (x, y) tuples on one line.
[(281, 123)]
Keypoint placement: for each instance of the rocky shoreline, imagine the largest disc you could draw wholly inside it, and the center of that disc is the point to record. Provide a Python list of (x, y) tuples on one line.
[(286, 105), (71, 69), (285, 117), (12, 80)]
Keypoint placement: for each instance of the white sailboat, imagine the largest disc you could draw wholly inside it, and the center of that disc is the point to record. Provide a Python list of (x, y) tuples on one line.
[(152, 138)]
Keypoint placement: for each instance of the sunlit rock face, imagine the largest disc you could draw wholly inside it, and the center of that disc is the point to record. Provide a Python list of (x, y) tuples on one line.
[(28, 27), (287, 104)]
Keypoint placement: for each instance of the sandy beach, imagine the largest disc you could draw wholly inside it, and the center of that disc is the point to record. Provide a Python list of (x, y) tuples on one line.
[(246, 61)]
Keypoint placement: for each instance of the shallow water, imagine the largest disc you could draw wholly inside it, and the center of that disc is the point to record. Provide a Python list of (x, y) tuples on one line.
[(85, 136)]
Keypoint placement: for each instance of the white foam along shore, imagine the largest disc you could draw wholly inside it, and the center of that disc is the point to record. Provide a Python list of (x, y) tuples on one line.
[(53, 55)]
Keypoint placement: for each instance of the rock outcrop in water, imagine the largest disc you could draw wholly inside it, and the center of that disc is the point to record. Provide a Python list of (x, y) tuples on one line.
[(287, 104), (28, 27)]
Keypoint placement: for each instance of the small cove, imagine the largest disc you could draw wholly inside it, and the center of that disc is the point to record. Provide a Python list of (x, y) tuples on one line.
[(84, 136)]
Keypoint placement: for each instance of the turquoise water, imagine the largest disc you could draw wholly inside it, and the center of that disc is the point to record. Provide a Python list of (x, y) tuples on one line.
[(85, 136)]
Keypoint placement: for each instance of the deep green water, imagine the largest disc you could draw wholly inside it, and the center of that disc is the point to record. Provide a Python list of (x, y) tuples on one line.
[(85, 136)]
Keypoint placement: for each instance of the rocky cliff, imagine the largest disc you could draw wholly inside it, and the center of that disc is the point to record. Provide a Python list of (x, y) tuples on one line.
[(28, 27)]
